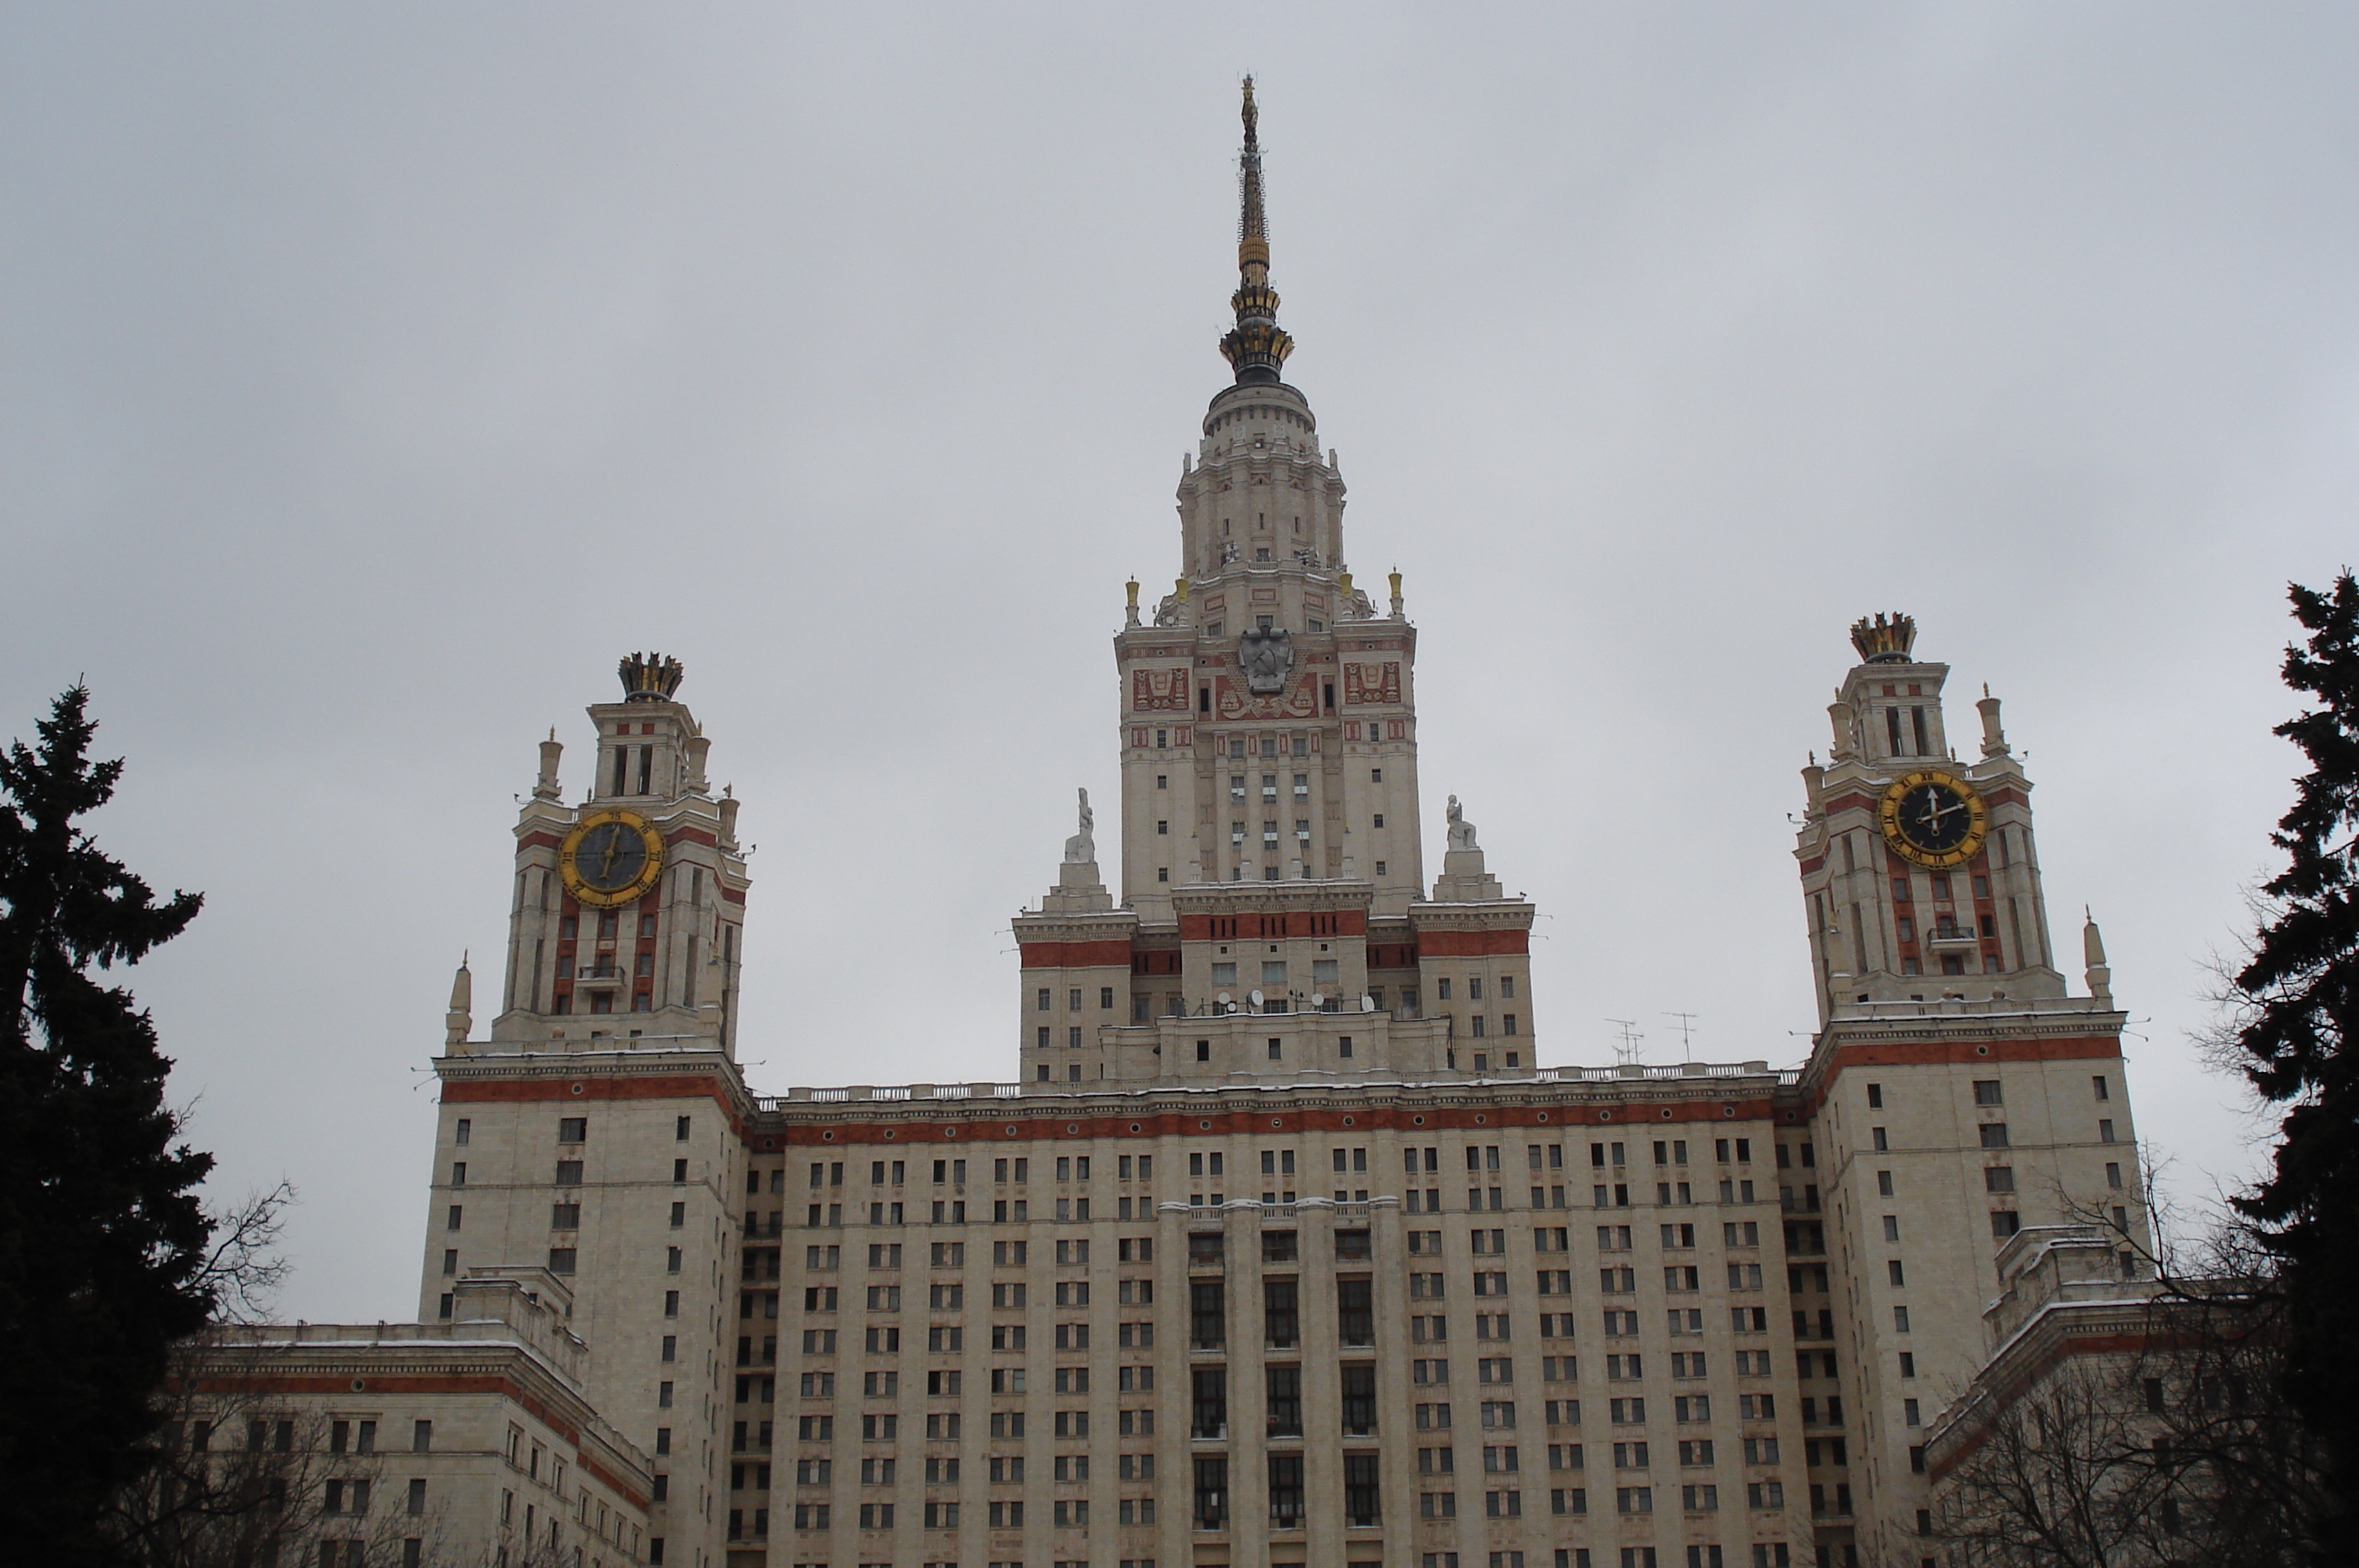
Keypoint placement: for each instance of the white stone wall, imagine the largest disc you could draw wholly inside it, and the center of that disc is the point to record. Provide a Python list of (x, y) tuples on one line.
[(634, 1211)]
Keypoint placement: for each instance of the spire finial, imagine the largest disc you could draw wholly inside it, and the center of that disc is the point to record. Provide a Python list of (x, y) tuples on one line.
[(1255, 347), (1253, 222)]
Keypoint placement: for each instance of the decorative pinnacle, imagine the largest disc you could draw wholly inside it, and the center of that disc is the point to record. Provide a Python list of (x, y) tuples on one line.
[(1256, 347), (649, 677), (1884, 641), (1253, 222)]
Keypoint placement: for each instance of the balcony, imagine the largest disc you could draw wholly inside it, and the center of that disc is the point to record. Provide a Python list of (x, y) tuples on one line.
[(1948, 934)]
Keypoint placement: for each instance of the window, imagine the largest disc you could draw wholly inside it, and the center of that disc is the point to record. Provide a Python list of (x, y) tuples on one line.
[(1986, 1092), (1876, 1097), (1359, 1490), (2098, 1089), (573, 1129), (1998, 1179), (1993, 1134), (2106, 1132)]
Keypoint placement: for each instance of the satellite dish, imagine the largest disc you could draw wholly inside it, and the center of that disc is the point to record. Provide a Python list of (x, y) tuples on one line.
[(1367, 1003), (1317, 1001), (1257, 999), (1222, 998)]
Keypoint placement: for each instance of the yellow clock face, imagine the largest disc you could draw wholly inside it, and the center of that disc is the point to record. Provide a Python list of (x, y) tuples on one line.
[(1934, 818), (610, 858)]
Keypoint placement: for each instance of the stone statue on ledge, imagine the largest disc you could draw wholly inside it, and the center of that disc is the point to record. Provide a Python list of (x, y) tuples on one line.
[(1461, 831), (1081, 849)]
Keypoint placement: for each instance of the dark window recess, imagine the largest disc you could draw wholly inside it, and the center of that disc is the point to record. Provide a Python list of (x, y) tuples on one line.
[(1352, 1245), (1212, 1491), (1208, 1390), (1285, 1386), (1207, 1314), (1359, 1399), (1355, 1310), (1281, 1314), (1286, 1491), (1360, 1499)]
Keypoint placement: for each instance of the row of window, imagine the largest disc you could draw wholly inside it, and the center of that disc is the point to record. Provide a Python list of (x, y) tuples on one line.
[(1017, 1170), (569, 1130), (278, 1435), (609, 926), (569, 1174), (1992, 1091)]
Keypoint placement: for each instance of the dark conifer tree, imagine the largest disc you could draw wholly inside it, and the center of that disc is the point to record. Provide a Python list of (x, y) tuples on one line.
[(2303, 990), (102, 1237)]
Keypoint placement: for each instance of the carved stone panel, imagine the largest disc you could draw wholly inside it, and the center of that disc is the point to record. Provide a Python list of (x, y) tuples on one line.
[(1366, 684), (1159, 690), (1300, 702)]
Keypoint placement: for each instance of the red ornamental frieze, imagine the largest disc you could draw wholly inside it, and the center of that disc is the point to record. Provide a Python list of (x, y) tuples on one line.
[(1366, 683), (1159, 690), (1298, 701)]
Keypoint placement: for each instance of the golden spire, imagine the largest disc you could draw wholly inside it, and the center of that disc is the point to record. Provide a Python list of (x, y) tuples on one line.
[(1256, 347)]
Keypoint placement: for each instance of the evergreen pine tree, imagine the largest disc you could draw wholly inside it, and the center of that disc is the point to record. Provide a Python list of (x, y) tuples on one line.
[(2300, 1039), (102, 1237)]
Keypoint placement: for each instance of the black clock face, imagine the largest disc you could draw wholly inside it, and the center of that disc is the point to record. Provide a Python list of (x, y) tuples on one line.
[(610, 856), (1935, 817)]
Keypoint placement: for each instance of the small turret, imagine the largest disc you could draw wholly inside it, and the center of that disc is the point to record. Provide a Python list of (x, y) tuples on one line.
[(460, 1020), (2098, 972), (1993, 738)]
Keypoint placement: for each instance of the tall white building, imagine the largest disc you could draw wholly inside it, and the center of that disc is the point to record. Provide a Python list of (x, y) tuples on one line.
[(1277, 1246)]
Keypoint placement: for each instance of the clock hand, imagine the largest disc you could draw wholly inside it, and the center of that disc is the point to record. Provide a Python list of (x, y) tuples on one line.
[(613, 841)]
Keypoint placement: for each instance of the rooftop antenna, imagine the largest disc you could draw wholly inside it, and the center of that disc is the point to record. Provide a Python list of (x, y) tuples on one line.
[(1626, 1053), (1687, 1029)]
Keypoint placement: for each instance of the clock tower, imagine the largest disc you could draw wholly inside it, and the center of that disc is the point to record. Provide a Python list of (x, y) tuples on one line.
[(1957, 1095), (626, 909), (1919, 871)]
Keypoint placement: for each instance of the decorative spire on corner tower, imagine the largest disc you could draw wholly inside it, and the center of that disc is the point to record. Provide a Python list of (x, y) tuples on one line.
[(1256, 347), (649, 677), (1883, 640), (461, 1018)]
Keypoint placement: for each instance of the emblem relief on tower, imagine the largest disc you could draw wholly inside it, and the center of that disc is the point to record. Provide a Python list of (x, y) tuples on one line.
[(1267, 658), (1366, 683), (1159, 690)]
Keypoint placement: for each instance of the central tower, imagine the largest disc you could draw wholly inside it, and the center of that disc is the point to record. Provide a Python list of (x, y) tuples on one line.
[(1271, 862)]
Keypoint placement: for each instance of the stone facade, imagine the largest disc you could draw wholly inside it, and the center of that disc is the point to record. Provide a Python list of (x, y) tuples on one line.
[(1281, 1246), (470, 1440)]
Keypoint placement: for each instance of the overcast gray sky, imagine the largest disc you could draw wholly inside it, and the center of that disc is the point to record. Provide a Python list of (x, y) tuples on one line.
[(376, 376)]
